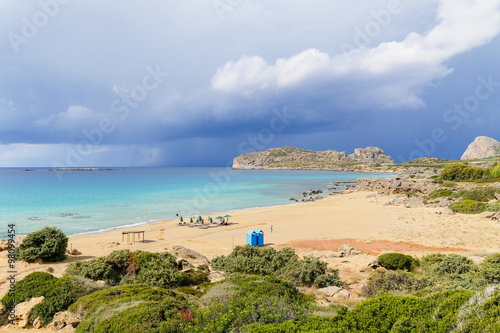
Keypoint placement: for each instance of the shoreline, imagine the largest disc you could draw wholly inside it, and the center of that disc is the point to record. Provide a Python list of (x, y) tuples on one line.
[(138, 224), (128, 222), (328, 214)]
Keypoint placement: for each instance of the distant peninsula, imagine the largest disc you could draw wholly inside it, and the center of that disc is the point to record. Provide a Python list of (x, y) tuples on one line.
[(296, 158)]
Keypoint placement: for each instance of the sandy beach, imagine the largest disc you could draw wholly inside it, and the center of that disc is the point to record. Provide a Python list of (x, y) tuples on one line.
[(319, 226)]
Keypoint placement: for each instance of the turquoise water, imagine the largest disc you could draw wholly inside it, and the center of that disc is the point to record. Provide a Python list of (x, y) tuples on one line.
[(89, 201)]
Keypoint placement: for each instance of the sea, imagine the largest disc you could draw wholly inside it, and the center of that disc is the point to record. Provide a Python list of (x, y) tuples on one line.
[(79, 202)]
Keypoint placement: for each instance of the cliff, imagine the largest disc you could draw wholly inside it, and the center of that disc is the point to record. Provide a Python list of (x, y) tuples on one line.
[(482, 147), (297, 158)]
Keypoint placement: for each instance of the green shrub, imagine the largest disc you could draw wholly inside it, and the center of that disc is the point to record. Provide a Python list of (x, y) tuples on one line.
[(440, 265), (57, 299), (48, 243), (305, 272), (451, 272), (283, 264), (34, 285), (95, 269), (461, 172), (493, 207), (490, 268), (120, 259), (192, 277), (396, 261), (393, 314), (123, 266), (264, 300), (494, 170), (481, 312), (440, 193), (326, 280), (478, 194), (438, 180), (131, 308), (467, 206), (449, 184), (155, 273), (58, 293), (392, 281), (189, 291)]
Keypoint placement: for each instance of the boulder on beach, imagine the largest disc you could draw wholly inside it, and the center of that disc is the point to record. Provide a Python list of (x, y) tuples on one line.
[(23, 311)]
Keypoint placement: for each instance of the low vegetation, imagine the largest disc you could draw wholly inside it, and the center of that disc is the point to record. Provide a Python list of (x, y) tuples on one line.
[(440, 193), (437, 272), (435, 313), (284, 264), (48, 244), (126, 267), (397, 261), (439, 293), (58, 293), (467, 206), (482, 194), (471, 201), (132, 308), (461, 172)]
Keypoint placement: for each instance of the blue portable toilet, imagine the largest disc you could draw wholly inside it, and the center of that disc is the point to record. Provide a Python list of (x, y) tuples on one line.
[(260, 237), (252, 238)]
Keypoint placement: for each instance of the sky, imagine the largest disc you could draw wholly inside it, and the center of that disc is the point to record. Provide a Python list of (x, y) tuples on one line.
[(196, 83)]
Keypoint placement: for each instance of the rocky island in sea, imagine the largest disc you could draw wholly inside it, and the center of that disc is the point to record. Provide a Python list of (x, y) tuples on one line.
[(82, 169)]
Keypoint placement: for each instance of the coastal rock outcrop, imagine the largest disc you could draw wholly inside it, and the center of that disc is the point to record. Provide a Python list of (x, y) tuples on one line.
[(23, 311), (390, 186), (4, 244), (297, 158), (187, 258), (482, 147), (64, 319)]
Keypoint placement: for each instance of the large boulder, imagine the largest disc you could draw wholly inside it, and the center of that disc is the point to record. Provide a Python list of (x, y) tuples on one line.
[(63, 319), (329, 291), (4, 244), (482, 147), (413, 202), (345, 250), (187, 258), (342, 295), (23, 311)]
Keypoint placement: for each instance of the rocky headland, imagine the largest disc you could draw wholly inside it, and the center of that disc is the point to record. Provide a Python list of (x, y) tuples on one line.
[(482, 147), (297, 158)]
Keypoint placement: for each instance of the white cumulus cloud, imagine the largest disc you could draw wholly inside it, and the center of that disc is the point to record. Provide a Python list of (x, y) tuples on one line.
[(390, 75)]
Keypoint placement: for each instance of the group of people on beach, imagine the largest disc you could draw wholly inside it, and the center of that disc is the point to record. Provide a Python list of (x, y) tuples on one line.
[(222, 221)]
